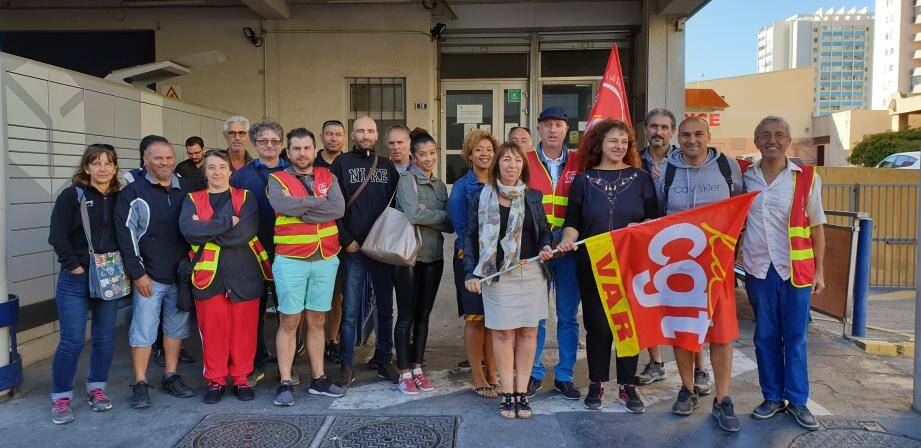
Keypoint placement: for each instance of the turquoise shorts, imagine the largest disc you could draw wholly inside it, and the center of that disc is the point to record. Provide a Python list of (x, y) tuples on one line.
[(304, 285)]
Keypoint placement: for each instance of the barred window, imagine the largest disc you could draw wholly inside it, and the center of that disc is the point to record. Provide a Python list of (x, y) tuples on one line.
[(383, 99)]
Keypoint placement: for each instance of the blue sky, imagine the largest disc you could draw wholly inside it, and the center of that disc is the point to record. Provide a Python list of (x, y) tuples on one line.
[(720, 39)]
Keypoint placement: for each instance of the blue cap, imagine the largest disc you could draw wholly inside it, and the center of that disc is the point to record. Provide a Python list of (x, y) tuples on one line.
[(556, 113)]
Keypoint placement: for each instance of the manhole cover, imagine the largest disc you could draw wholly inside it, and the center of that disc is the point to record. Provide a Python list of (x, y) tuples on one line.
[(835, 438), (252, 431), (402, 431)]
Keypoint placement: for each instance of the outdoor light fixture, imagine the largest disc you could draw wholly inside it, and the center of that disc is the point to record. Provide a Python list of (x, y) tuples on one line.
[(254, 38)]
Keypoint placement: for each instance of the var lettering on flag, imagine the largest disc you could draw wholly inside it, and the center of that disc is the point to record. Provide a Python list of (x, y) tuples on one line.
[(664, 282)]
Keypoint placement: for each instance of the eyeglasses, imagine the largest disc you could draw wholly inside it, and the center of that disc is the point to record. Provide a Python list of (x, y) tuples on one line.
[(267, 142), (238, 134)]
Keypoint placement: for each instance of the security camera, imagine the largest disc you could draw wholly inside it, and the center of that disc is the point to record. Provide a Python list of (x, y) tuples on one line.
[(254, 38), (438, 30)]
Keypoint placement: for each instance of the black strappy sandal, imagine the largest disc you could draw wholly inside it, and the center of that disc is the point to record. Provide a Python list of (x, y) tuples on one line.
[(507, 409), (522, 407)]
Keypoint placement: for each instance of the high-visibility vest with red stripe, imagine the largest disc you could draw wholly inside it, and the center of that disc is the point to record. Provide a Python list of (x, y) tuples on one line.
[(556, 198), (206, 268), (802, 257), (295, 238)]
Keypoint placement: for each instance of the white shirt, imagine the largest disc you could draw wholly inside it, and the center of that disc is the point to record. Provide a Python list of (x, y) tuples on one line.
[(767, 239)]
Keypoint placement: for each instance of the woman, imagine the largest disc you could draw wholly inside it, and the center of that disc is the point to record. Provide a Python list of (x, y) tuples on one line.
[(96, 178), (228, 278), (477, 151), (507, 224), (610, 193), (423, 198)]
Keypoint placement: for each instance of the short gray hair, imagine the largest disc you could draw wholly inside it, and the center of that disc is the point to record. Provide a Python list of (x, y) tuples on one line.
[(235, 119), (663, 112), (265, 125), (398, 127), (772, 119)]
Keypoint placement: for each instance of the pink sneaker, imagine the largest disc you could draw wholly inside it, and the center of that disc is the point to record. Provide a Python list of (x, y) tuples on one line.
[(408, 387), (423, 383)]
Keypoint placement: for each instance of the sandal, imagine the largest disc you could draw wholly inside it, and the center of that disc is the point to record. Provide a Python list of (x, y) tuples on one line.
[(508, 409), (522, 407), (485, 391)]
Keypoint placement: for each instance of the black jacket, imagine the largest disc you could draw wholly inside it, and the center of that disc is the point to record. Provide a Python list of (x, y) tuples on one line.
[(192, 177), (350, 169), (147, 227), (534, 206), (237, 268), (67, 237)]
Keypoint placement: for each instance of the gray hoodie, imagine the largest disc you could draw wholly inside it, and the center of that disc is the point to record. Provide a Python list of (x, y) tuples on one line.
[(695, 186)]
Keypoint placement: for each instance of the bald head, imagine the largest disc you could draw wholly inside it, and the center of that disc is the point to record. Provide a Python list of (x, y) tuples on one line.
[(364, 133), (694, 138)]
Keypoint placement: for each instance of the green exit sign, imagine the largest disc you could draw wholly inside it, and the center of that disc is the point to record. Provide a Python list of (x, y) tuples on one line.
[(513, 96)]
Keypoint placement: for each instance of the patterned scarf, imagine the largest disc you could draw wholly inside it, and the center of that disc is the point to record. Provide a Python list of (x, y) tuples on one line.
[(489, 217)]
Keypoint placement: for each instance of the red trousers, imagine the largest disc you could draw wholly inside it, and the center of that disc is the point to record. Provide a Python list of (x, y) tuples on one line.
[(228, 337)]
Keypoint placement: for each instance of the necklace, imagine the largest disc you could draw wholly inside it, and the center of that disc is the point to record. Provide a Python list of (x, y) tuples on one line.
[(612, 188)]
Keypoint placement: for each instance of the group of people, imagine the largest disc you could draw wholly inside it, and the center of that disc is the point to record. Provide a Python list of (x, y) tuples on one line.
[(286, 229)]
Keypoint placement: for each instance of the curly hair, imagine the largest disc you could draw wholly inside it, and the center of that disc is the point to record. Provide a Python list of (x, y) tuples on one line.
[(590, 149), (473, 139)]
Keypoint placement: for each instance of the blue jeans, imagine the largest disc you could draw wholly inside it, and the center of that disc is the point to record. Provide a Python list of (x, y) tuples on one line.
[(73, 302), (357, 266), (567, 325), (781, 321)]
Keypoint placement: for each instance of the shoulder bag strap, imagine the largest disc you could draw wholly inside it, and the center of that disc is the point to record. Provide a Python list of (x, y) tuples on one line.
[(85, 218), (667, 184), (364, 183)]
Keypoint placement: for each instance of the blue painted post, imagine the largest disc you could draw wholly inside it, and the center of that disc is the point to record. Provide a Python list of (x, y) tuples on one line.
[(862, 278)]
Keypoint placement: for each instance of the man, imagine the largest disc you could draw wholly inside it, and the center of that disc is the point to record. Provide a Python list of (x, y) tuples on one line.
[(783, 253), (147, 213), (553, 168), (190, 169), (521, 136), (698, 175), (138, 173), (362, 209), (266, 136), (333, 136), (236, 132), (398, 145), (308, 201)]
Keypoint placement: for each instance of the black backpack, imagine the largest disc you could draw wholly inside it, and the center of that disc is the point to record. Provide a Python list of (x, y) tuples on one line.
[(722, 162)]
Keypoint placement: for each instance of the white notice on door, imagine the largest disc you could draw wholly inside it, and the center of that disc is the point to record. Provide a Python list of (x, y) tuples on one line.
[(470, 113)]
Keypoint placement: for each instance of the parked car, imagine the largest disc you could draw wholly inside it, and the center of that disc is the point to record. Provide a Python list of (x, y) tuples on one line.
[(902, 161)]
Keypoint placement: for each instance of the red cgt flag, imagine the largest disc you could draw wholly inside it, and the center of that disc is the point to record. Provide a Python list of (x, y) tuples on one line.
[(670, 281), (611, 100)]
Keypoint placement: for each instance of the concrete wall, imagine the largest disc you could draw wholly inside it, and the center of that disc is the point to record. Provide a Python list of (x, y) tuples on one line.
[(787, 93), (51, 115), (846, 129)]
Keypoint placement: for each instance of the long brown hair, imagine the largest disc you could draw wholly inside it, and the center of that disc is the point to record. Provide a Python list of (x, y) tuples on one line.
[(590, 149), (91, 154), (504, 148)]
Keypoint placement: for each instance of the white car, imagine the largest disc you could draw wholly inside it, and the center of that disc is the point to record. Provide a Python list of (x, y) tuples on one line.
[(902, 161)]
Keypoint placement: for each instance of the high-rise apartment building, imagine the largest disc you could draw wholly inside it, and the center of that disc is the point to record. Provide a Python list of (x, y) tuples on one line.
[(897, 40), (837, 43)]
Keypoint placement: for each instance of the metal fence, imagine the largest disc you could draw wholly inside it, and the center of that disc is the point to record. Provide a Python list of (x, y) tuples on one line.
[(894, 210)]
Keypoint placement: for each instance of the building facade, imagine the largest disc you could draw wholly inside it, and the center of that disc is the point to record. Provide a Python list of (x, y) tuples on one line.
[(897, 61), (838, 44)]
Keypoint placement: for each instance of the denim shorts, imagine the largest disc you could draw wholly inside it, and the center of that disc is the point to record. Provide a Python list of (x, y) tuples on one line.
[(304, 285), (147, 312)]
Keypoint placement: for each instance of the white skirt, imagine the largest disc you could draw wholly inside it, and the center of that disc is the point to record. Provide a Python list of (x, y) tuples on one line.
[(519, 299)]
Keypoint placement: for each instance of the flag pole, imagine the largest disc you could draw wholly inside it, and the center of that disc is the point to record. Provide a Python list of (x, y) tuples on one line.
[(523, 262)]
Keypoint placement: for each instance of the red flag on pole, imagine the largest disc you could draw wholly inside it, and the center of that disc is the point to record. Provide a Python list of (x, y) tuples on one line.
[(611, 100)]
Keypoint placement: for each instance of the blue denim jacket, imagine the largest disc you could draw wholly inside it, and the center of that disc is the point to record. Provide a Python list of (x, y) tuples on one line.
[(462, 193)]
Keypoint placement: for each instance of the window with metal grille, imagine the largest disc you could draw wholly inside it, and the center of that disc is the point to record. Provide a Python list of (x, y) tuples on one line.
[(383, 99)]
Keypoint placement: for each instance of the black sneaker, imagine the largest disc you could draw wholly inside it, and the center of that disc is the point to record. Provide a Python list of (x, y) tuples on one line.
[(803, 416), (686, 402), (631, 399), (214, 393), (244, 392), (567, 390), (768, 409), (654, 371), (725, 415), (389, 372), (173, 385), (140, 395), (702, 382), (375, 362), (185, 357), (323, 386), (346, 377), (284, 396), (594, 399), (534, 386)]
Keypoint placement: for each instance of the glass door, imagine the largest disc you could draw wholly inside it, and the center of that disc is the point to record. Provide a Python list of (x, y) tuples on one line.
[(493, 106), (577, 99)]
